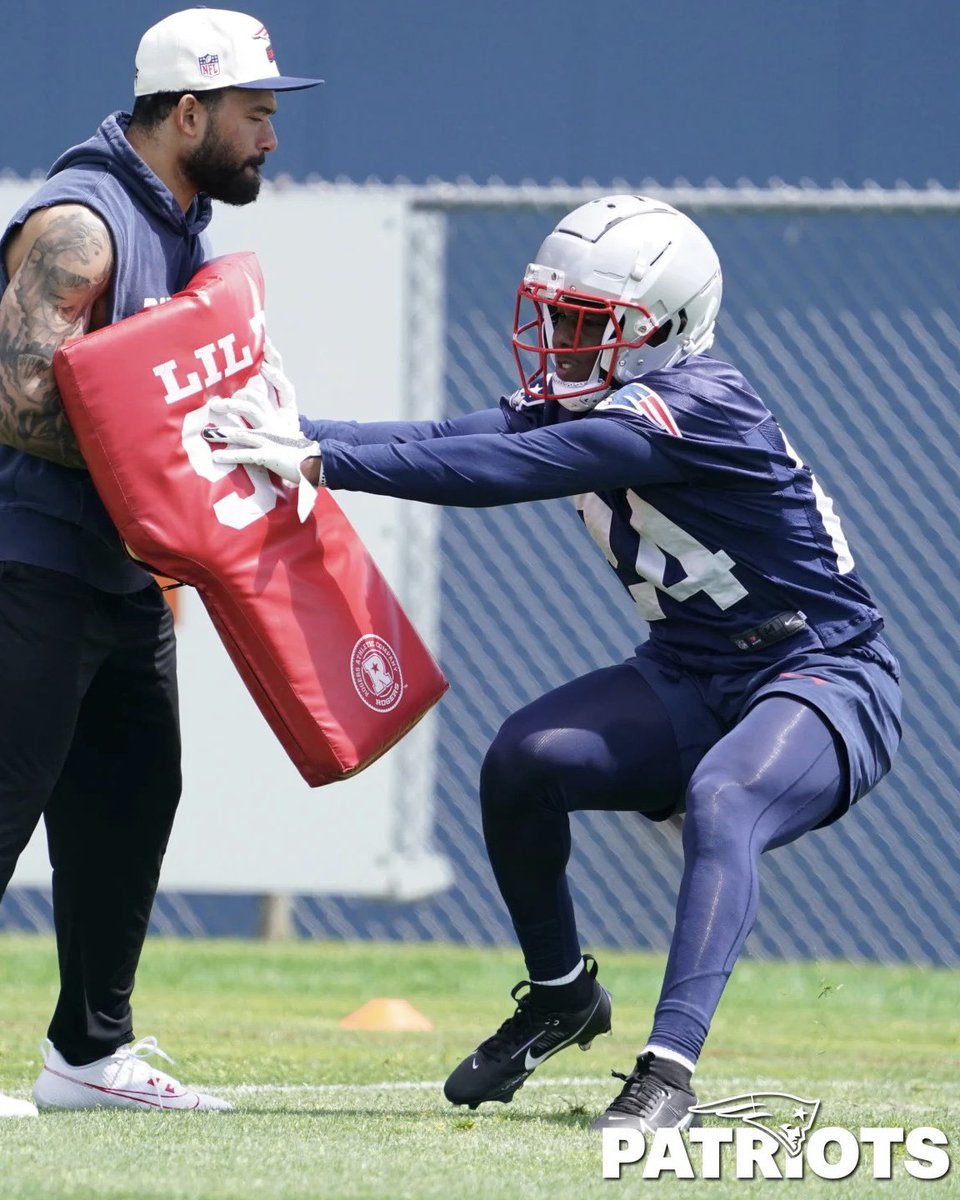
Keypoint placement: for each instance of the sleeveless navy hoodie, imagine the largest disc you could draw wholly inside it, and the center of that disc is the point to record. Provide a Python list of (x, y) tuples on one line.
[(51, 516)]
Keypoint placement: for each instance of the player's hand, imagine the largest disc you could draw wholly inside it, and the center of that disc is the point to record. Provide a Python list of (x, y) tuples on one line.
[(267, 401), (264, 448)]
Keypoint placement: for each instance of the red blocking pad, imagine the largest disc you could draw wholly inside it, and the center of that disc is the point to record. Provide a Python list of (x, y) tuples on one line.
[(317, 635)]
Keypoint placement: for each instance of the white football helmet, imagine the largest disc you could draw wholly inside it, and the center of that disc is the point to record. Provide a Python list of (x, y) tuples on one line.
[(644, 265)]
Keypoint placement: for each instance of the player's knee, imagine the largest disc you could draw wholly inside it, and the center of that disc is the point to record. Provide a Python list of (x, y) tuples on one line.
[(721, 811), (520, 767)]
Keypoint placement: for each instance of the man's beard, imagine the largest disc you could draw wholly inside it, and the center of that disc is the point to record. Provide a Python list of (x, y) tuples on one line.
[(212, 168)]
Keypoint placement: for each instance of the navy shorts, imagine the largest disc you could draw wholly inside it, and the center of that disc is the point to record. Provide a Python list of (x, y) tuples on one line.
[(855, 689)]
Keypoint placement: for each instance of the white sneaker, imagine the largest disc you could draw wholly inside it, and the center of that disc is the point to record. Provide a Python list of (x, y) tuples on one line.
[(9, 1107), (121, 1080)]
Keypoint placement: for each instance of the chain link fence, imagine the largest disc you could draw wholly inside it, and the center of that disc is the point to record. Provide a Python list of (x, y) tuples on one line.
[(841, 307)]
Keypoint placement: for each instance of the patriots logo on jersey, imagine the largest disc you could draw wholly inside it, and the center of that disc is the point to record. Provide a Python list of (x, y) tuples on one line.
[(522, 399), (642, 402)]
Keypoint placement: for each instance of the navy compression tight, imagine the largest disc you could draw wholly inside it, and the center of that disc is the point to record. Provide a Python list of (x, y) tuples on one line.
[(605, 742)]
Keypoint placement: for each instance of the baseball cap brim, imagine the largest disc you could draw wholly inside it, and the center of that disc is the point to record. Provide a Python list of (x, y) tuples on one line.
[(278, 83)]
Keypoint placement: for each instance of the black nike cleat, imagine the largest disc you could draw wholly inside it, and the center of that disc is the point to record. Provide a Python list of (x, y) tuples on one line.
[(503, 1062), (657, 1094)]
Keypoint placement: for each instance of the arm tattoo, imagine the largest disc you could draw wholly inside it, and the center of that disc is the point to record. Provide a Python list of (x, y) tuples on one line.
[(49, 300)]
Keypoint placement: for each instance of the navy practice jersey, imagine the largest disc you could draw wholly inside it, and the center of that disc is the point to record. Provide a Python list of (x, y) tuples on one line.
[(685, 480)]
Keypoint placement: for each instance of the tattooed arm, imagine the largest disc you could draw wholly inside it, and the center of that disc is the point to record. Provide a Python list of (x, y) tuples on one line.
[(59, 265)]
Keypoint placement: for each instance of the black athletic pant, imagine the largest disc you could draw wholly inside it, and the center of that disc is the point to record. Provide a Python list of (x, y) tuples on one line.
[(90, 740)]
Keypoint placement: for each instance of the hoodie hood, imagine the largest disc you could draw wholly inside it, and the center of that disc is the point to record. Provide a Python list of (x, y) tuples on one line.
[(109, 150)]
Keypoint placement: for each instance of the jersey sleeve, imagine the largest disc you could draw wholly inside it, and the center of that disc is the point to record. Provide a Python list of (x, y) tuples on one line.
[(364, 433), (487, 468)]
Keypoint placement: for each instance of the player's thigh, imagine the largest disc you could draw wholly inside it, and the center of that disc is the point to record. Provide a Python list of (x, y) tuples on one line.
[(124, 764), (779, 772), (603, 741), (857, 693), (142, 675), (48, 654)]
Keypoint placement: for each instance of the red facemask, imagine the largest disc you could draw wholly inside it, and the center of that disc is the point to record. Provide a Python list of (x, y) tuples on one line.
[(627, 327)]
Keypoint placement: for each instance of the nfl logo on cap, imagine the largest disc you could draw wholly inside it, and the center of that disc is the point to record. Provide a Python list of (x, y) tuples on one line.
[(209, 64)]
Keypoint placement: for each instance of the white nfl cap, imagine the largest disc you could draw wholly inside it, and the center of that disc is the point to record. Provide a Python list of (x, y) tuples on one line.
[(200, 49)]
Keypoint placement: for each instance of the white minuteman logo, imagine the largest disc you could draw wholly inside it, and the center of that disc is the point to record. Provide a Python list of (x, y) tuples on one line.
[(785, 1117), (376, 674)]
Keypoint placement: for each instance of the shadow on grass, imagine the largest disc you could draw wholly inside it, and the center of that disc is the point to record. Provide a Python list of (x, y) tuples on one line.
[(576, 1118)]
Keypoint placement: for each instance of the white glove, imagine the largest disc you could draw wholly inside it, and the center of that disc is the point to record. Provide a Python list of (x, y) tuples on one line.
[(272, 452), (267, 401), (271, 438), (272, 370), (260, 448)]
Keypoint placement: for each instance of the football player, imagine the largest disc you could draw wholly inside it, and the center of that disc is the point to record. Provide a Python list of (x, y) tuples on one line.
[(89, 727), (763, 704)]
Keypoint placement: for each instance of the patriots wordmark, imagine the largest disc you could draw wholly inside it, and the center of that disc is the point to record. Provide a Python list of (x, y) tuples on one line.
[(777, 1121)]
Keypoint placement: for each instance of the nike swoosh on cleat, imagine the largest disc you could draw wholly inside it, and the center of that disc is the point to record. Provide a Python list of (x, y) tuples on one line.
[(526, 1045), (475, 1064), (532, 1060), (146, 1098)]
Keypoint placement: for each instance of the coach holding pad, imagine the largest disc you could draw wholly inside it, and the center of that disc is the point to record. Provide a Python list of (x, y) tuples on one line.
[(89, 732)]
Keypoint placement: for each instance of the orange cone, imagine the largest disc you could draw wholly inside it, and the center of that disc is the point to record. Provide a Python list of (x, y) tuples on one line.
[(387, 1015)]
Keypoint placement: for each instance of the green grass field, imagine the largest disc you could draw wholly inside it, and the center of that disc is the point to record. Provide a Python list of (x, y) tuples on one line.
[(321, 1112)]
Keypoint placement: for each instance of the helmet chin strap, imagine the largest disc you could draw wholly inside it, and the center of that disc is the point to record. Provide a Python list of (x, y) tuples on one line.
[(557, 388)]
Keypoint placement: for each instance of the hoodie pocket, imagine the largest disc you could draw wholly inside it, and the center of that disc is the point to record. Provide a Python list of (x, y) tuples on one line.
[(48, 488)]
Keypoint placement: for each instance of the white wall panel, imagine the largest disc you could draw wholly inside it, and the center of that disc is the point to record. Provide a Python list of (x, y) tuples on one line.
[(334, 267)]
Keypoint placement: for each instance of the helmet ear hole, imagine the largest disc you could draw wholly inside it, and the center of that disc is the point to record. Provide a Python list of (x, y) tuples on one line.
[(660, 336)]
